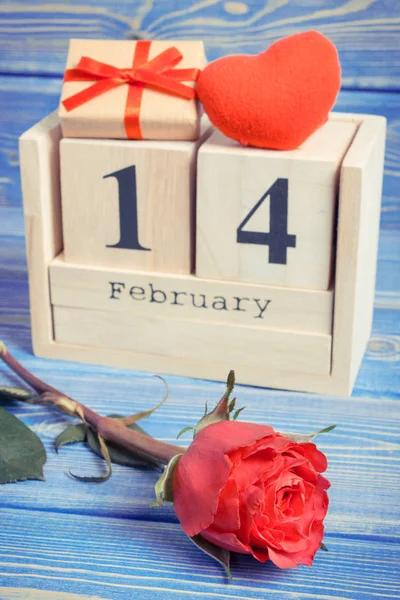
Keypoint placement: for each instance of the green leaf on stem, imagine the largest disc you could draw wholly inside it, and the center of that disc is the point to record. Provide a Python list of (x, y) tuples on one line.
[(232, 404), (105, 454), (71, 435), (8, 393), (163, 487), (121, 456), (221, 555), (81, 432), (300, 438), (22, 454), (184, 430), (237, 413), (323, 547)]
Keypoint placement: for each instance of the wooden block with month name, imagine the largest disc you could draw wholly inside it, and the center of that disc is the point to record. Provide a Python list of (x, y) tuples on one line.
[(190, 298), (267, 216), (129, 203), (185, 325)]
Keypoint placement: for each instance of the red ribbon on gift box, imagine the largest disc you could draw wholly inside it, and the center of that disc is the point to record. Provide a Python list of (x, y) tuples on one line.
[(157, 73)]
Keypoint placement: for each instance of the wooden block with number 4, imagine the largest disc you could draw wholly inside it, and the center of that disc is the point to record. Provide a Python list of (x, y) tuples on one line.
[(128, 203), (267, 216)]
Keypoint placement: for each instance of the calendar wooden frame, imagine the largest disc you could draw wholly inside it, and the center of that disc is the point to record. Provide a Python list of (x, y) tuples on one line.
[(354, 286)]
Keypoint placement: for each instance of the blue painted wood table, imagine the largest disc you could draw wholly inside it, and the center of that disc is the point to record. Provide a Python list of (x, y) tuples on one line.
[(62, 539)]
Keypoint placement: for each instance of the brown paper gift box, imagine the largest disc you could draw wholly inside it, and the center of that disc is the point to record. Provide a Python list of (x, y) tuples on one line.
[(163, 116)]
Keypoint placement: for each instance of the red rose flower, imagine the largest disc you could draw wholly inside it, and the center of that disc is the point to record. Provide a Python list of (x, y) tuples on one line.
[(249, 489)]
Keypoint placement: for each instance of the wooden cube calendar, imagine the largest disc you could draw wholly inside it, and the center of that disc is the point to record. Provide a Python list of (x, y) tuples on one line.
[(269, 216), (128, 203), (203, 325)]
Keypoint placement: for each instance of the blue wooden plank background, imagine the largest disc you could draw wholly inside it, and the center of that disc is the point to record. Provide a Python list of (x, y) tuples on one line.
[(115, 558), (35, 35), (61, 539)]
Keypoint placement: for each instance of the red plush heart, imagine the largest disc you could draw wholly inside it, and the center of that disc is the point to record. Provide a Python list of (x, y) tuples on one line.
[(276, 99)]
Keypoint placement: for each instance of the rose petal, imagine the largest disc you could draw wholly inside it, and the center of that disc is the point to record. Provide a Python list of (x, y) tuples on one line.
[(265, 537), (315, 456), (321, 503), (260, 555), (288, 479), (306, 557), (283, 464), (246, 524), (250, 499), (229, 541), (323, 483), (226, 519), (279, 465), (294, 540), (249, 470), (249, 505), (281, 559), (307, 472), (269, 504), (296, 503), (309, 513), (203, 470), (276, 441)]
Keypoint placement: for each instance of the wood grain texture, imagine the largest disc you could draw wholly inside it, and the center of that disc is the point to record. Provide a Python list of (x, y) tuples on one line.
[(183, 346), (40, 179), (123, 559), (362, 452), (24, 593), (379, 372), (162, 188), (246, 192), (61, 540), (365, 31), (188, 297), (357, 245), (27, 100), (269, 357), (363, 467)]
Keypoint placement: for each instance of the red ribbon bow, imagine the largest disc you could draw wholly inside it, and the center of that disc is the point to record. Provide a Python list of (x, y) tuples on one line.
[(157, 73)]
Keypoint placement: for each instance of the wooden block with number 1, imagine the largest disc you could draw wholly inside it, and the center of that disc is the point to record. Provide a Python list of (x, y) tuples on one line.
[(128, 203), (268, 216)]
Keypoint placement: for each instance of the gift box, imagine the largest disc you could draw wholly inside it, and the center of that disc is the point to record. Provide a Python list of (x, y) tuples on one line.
[(132, 90)]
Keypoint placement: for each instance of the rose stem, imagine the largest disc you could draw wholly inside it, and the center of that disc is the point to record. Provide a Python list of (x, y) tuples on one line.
[(109, 429)]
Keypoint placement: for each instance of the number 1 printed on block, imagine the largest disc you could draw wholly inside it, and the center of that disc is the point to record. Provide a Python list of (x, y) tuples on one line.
[(128, 210), (129, 203)]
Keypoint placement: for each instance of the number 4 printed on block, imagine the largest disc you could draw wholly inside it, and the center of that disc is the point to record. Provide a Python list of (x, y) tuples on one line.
[(277, 239)]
